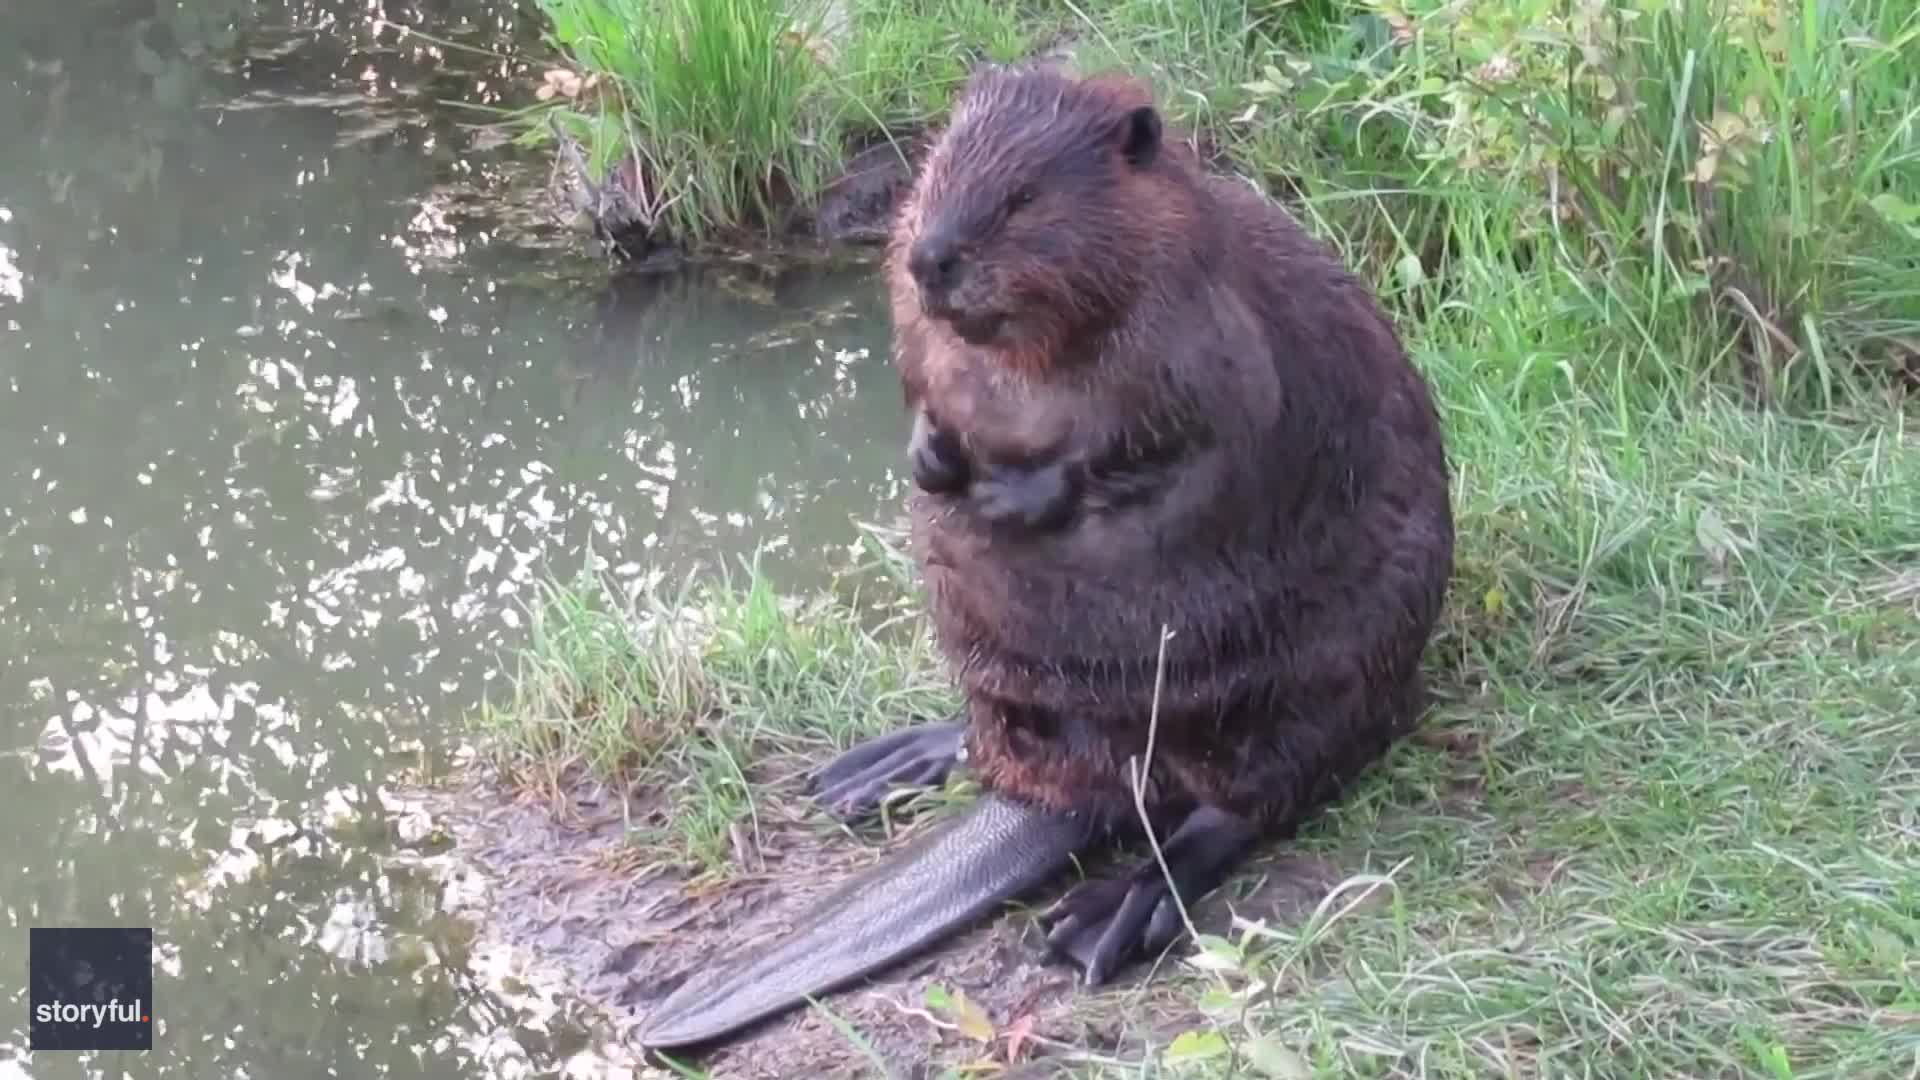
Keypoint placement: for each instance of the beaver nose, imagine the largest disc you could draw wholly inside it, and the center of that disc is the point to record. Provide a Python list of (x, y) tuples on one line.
[(934, 262)]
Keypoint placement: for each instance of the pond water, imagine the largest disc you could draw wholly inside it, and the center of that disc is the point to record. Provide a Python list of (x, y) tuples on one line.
[(298, 398)]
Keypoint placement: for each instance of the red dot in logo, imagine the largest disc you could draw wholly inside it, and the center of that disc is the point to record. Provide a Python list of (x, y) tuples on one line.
[(146, 1019)]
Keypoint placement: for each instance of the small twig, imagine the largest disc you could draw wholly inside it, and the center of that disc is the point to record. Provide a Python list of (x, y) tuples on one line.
[(920, 1014), (1140, 772)]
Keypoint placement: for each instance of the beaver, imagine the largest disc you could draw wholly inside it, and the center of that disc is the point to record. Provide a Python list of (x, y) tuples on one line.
[(1182, 515), (1011, 450)]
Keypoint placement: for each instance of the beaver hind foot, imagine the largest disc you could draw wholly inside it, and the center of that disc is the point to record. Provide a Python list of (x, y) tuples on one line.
[(1104, 924), (854, 784)]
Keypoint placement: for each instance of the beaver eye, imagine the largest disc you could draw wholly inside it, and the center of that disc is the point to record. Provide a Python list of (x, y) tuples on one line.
[(1021, 196)]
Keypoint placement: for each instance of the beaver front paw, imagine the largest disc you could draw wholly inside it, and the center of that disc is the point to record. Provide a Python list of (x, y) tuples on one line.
[(939, 462), (1030, 497), (859, 780)]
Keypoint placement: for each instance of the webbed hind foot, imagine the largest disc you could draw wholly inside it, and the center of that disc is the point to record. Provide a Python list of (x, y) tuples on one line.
[(1105, 924), (854, 784)]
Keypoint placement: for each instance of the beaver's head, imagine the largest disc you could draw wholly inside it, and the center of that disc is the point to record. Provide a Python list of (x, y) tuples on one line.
[(1038, 211)]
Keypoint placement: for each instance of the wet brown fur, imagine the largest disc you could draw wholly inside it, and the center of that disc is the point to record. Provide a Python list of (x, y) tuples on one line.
[(1263, 468)]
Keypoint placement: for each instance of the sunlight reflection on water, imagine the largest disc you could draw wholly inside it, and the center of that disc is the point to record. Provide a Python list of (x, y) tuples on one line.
[(298, 400)]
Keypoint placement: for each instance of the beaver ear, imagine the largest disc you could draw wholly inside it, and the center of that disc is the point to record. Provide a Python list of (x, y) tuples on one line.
[(1140, 135)]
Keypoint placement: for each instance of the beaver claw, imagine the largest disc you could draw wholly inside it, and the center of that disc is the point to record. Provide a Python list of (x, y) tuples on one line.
[(1105, 924), (853, 784)]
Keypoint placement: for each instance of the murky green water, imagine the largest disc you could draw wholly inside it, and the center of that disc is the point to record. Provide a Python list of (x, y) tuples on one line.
[(295, 404)]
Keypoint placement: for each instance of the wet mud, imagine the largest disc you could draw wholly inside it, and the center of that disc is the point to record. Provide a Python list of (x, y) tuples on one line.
[(558, 890)]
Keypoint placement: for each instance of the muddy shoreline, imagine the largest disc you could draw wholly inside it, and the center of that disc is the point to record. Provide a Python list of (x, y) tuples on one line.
[(851, 213), (557, 889)]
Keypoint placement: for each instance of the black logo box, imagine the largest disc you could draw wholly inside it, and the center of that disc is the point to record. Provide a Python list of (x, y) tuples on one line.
[(90, 988)]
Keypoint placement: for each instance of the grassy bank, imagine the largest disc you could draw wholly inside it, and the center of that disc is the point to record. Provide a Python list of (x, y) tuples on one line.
[(692, 697), (1706, 188), (1662, 265), (1666, 825)]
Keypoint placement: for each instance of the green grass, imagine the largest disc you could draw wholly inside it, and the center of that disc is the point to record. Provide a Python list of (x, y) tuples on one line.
[(1723, 190), (1677, 835), (720, 100), (682, 697), (1662, 264), (1672, 827), (900, 65)]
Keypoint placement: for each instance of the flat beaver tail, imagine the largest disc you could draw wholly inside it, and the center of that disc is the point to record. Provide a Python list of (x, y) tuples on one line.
[(995, 851)]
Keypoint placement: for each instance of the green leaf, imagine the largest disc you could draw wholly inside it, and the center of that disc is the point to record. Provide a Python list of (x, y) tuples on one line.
[(973, 1020), (1196, 1045), (967, 1015), (1217, 1001), (1215, 953)]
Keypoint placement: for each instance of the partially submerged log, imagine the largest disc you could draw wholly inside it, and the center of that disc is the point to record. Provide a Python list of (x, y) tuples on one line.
[(624, 209)]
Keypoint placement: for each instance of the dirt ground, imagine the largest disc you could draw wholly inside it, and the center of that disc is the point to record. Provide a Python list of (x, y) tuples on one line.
[(555, 891)]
